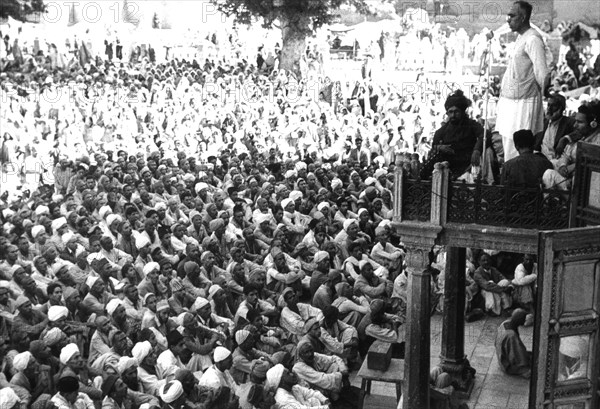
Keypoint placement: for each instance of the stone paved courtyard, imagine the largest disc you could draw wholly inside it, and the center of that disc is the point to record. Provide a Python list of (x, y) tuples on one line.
[(492, 390)]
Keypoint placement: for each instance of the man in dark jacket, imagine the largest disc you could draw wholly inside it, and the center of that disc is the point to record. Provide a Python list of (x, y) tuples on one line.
[(527, 169), (552, 140)]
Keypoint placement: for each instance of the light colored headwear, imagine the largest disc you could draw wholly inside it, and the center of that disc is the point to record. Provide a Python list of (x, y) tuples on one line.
[(112, 305), (262, 217), (221, 354), (150, 267), (37, 230), (141, 241), (379, 230), (380, 172), (362, 210), (290, 173), (57, 312), (213, 290), (296, 195), (335, 183), (21, 300), (20, 361), (8, 398), (58, 223), (141, 350), (286, 202), (160, 206), (274, 377), (40, 210), (148, 295), (67, 237), (322, 206), (348, 223), (162, 305), (54, 336), (199, 303), (574, 346), (193, 214), (126, 362), (68, 352), (171, 391), (113, 218), (104, 211), (241, 336), (300, 165), (370, 181), (216, 224), (91, 280), (199, 186), (320, 256)]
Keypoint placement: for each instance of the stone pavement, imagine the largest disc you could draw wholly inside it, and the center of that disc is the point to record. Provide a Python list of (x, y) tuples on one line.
[(492, 390)]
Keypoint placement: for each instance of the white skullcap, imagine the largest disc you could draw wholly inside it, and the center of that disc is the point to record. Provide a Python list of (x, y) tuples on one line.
[(104, 210), (141, 350), (241, 336), (42, 210), (274, 377), (58, 223), (335, 183), (91, 280), (112, 305), (198, 304), (126, 362), (296, 194), (20, 361), (67, 237), (221, 354), (141, 241), (8, 398), (285, 203), (171, 391), (320, 256), (57, 312), (150, 267), (112, 218), (37, 230), (68, 352), (348, 223), (370, 181), (322, 206)]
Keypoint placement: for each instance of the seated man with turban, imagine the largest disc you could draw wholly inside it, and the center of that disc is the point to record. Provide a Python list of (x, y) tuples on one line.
[(288, 393), (294, 315), (146, 369), (459, 141)]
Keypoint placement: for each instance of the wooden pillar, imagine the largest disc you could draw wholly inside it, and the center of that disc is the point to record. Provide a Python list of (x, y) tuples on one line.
[(453, 359), (416, 370)]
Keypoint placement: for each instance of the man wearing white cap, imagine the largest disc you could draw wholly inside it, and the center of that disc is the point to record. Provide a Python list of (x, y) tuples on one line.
[(97, 297), (143, 353), (172, 395), (288, 393), (28, 378), (217, 376)]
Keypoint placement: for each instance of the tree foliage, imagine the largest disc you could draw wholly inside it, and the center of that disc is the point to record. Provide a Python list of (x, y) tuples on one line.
[(18, 9)]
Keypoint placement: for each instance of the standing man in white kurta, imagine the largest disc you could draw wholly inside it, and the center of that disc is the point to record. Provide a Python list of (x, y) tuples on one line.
[(520, 104)]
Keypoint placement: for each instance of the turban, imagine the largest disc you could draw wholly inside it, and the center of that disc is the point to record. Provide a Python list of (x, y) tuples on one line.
[(274, 377), (362, 210), (290, 174), (300, 166), (21, 300), (259, 368), (295, 195), (58, 223), (200, 186), (54, 336), (379, 230), (171, 391), (8, 398), (150, 267), (57, 312), (112, 305), (335, 183), (241, 336), (69, 292), (348, 223), (574, 346), (68, 352), (104, 211), (256, 273), (91, 280), (377, 306), (221, 353), (199, 303), (160, 206), (162, 305), (125, 363), (322, 206), (213, 290), (148, 295), (457, 99), (141, 241), (370, 181), (205, 255), (308, 325), (286, 202), (262, 217), (20, 361), (193, 214), (67, 237), (286, 291), (7, 213), (380, 172), (37, 230), (320, 256), (216, 224), (113, 218), (141, 350), (42, 210)]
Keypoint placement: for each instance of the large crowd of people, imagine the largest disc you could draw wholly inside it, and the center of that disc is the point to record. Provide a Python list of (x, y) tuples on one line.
[(213, 234)]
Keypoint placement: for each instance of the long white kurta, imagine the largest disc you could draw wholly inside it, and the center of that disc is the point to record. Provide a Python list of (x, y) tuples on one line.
[(520, 104)]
